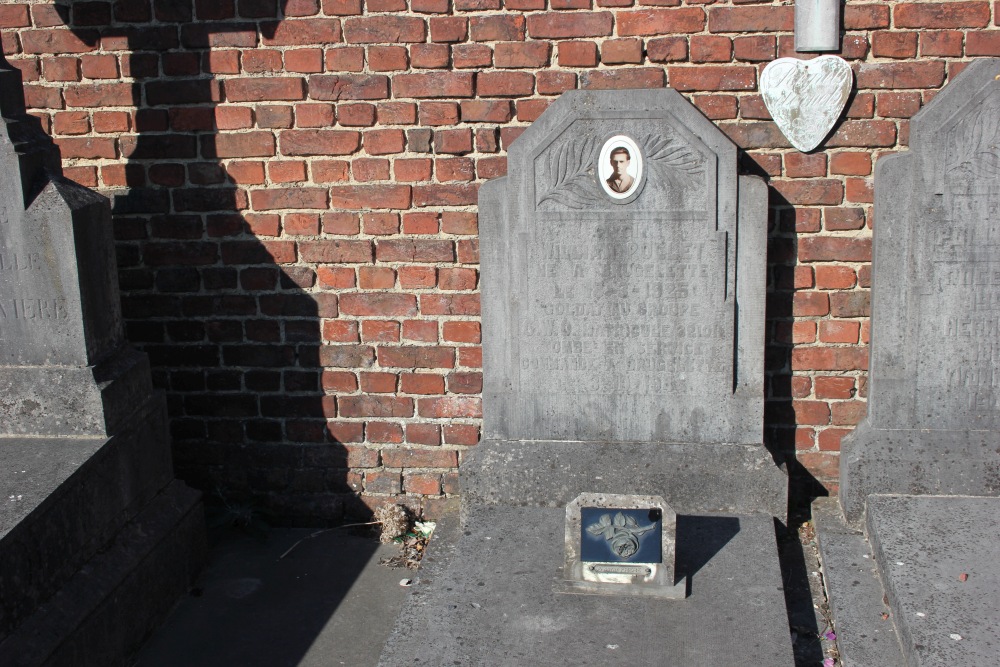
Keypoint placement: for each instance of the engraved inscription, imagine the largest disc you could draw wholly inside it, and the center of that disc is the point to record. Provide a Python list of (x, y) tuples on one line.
[(28, 261), (624, 308), (31, 309)]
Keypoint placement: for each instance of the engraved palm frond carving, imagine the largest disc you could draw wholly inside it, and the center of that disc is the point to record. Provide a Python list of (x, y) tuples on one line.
[(671, 152), (976, 150), (570, 174)]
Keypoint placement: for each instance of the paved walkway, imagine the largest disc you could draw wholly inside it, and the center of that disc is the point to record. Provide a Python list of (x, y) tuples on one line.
[(325, 602)]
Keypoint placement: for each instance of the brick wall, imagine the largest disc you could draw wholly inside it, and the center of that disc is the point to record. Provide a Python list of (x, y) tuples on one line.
[(295, 182)]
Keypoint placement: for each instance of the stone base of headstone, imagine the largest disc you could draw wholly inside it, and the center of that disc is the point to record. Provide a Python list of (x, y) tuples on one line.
[(935, 559), (911, 461), (493, 600)]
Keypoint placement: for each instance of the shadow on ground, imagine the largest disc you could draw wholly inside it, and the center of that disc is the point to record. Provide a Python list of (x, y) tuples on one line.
[(290, 597)]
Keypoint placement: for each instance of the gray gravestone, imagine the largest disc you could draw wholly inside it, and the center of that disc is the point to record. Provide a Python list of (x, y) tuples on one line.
[(97, 540), (623, 271), (633, 317), (934, 381)]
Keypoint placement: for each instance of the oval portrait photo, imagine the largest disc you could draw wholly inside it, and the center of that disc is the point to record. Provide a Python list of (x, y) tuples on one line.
[(620, 168)]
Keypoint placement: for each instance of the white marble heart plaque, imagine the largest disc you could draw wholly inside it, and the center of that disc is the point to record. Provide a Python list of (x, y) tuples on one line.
[(806, 97)]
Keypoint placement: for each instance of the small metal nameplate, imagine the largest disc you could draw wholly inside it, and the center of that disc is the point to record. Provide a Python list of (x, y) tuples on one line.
[(620, 545)]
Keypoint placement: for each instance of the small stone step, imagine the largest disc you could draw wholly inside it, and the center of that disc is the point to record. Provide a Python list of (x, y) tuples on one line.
[(938, 557)]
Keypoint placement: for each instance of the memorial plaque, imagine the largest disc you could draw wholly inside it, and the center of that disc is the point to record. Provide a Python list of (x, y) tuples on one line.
[(934, 407), (621, 545), (617, 305)]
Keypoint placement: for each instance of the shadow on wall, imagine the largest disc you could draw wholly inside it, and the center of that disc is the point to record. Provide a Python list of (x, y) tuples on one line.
[(231, 327)]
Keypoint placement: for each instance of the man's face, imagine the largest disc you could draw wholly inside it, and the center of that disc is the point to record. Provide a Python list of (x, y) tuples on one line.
[(619, 163)]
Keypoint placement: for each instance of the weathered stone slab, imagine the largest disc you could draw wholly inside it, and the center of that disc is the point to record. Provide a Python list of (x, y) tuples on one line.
[(866, 634), (493, 604), (924, 545), (633, 318), (934, 383)]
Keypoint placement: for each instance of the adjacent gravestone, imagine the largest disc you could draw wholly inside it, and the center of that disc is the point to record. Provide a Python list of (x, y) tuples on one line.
[(623, 302), (96, 538), (933, 424), (916, 541)]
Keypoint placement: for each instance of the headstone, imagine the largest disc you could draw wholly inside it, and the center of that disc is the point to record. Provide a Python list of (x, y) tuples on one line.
[(93, 510), (623, 278), (933, 423)]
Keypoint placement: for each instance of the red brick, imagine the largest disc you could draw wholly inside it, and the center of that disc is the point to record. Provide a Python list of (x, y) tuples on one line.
[(259, 90), (56, 41), (384, 432), (661, 21), (360, 197), (575, 25), (456, 279), (466, 56), (983, 43), (429, 56), (14, 16), (422, 484), (340, 331), (421, 383), (436, 84), (578, 54), (944, 43), (375, 406), (356, 114), (894, 44), (834, 387), (378, 383), (834, 331), (415, 250), (829, 358), (814, 413), (497, 28), (459, 194), (90, 148), (487, 111), (631, 77), (511, 55), (711, 49), (384, 30), (465, 383), (450, 407), (438, 113), (449, 304), (449, 29), (455, 142), (417, 357), (379, 331), (341, 7), (423, 434), (461, 434), (345, 59), (462, 332), (901, 75), (751, 19), (833, 249), (384, 142), (319, 142), (709, 77), (71, 122), (942, 15), (810, 304), (754, 48), (505, 84), (99, 95), (336, 87), (454, 169), (802, 165), (387, 58), (851, 164), (420, 330), (336, 251), (867, 16), (419, 458)]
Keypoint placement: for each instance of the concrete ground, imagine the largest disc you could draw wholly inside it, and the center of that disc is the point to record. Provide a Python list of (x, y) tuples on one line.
[(284, 597)]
